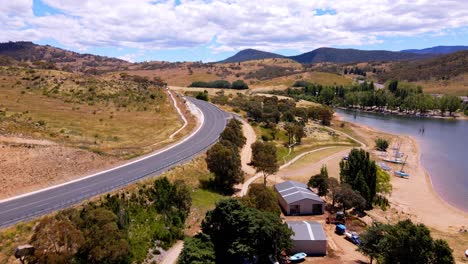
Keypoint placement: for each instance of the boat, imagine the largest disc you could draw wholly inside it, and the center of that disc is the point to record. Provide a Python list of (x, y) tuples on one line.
[(298, 256), (395, 160), (401, 173), (384, 166)]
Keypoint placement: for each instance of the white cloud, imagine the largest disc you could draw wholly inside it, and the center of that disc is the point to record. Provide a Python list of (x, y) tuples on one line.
[(236, 24)]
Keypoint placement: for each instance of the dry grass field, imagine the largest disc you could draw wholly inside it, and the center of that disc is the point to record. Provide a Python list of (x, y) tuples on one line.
[(104, 116)]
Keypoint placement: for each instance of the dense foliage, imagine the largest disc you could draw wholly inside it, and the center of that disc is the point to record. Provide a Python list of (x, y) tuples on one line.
[(223, 159), (360, 173), (404, 242), (240, 233), (264, 159), (320, 181), (118, 229), (238, 85), (400, 96), (262, 198), (381, 144), (233, 133)]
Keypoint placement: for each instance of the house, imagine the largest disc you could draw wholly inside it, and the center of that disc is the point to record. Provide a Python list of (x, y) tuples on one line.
[(297, 199), (308, 237)]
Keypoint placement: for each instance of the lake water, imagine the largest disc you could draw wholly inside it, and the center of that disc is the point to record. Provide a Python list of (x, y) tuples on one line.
[(444, 149)]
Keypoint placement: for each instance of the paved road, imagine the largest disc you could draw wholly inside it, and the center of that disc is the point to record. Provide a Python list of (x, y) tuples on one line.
[(62, 196)]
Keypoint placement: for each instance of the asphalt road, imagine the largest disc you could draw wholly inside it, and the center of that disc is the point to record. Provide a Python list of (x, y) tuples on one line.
[(51, 199)]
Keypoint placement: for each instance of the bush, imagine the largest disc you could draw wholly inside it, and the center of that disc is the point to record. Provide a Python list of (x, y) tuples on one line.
[(381, 144), (202, 96), (239, 85), (301, 83), (214, 84)]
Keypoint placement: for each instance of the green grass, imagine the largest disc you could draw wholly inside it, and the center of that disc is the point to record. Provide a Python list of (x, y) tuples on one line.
[(205, 200)]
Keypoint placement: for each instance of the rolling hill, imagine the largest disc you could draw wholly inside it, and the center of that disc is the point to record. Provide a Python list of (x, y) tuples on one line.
[(437, 50), (45, 56), (440, 68), (329, 55), (251, 54), (353, 55)]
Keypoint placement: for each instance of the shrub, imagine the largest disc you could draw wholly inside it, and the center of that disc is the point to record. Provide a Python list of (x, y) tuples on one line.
[(239, 85), (381, 144)]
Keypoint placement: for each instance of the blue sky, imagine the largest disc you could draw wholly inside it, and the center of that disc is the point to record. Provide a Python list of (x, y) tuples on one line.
[(194, 30)]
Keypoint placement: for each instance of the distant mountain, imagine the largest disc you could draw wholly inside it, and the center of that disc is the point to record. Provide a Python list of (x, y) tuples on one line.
[(251, 54), (437, 50), (354, 55), (59, 58), (442, 67)]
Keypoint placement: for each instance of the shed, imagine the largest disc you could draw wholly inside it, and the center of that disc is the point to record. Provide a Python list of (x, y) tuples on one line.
[(296, 199), (308, 237)]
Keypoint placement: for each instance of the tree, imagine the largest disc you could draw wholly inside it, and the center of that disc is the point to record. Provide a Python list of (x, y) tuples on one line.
[(105, 243), (333, 188), (239, 85), (320, 181), (404, 242), (452, 102), (239, 233), (349, 198), (442, 253), (233, 133), (197, 250), (290, 129), (224, 162), (381, 144), (299, 132), (393, 86), (370, 240), (56, 240), (360, 173), (325, 115), (262, 198), (264, 159), (202, 96), (383, 185), (327, 95)]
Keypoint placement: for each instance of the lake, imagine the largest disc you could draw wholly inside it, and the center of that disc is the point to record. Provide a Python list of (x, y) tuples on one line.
[(444, 149)]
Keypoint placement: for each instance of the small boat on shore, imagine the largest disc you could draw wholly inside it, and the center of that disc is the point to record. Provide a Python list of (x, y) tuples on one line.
[(298, 256), (384, 166), (395, 160), (401, 173)]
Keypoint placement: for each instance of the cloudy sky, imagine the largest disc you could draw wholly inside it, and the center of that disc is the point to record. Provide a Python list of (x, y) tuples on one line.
[(190, 30)]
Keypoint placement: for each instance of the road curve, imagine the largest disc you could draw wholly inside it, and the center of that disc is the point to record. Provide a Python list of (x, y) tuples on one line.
[(38, 203)]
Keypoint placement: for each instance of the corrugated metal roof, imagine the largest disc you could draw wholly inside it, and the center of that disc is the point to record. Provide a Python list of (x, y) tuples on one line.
[(307, 230), (293, 191)]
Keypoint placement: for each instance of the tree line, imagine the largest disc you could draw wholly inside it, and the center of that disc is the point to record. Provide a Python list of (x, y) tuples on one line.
[(237, 85), (399, 96)]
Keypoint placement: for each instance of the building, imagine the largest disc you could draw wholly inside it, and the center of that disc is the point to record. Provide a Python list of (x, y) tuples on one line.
[(308, 237), (296, 199)]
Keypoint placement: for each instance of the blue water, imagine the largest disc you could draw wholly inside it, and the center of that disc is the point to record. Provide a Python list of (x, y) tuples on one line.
[(444, 149)]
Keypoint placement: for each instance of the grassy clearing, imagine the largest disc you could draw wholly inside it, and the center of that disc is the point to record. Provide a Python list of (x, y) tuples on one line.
[(322, 78), (455, 86), (316, 156), (99, 115)]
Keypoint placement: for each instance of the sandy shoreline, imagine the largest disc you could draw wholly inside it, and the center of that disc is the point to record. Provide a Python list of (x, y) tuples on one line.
[(416, 197)]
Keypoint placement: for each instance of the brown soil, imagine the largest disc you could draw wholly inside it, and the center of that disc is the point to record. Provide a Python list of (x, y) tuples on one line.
[(27, 165)]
